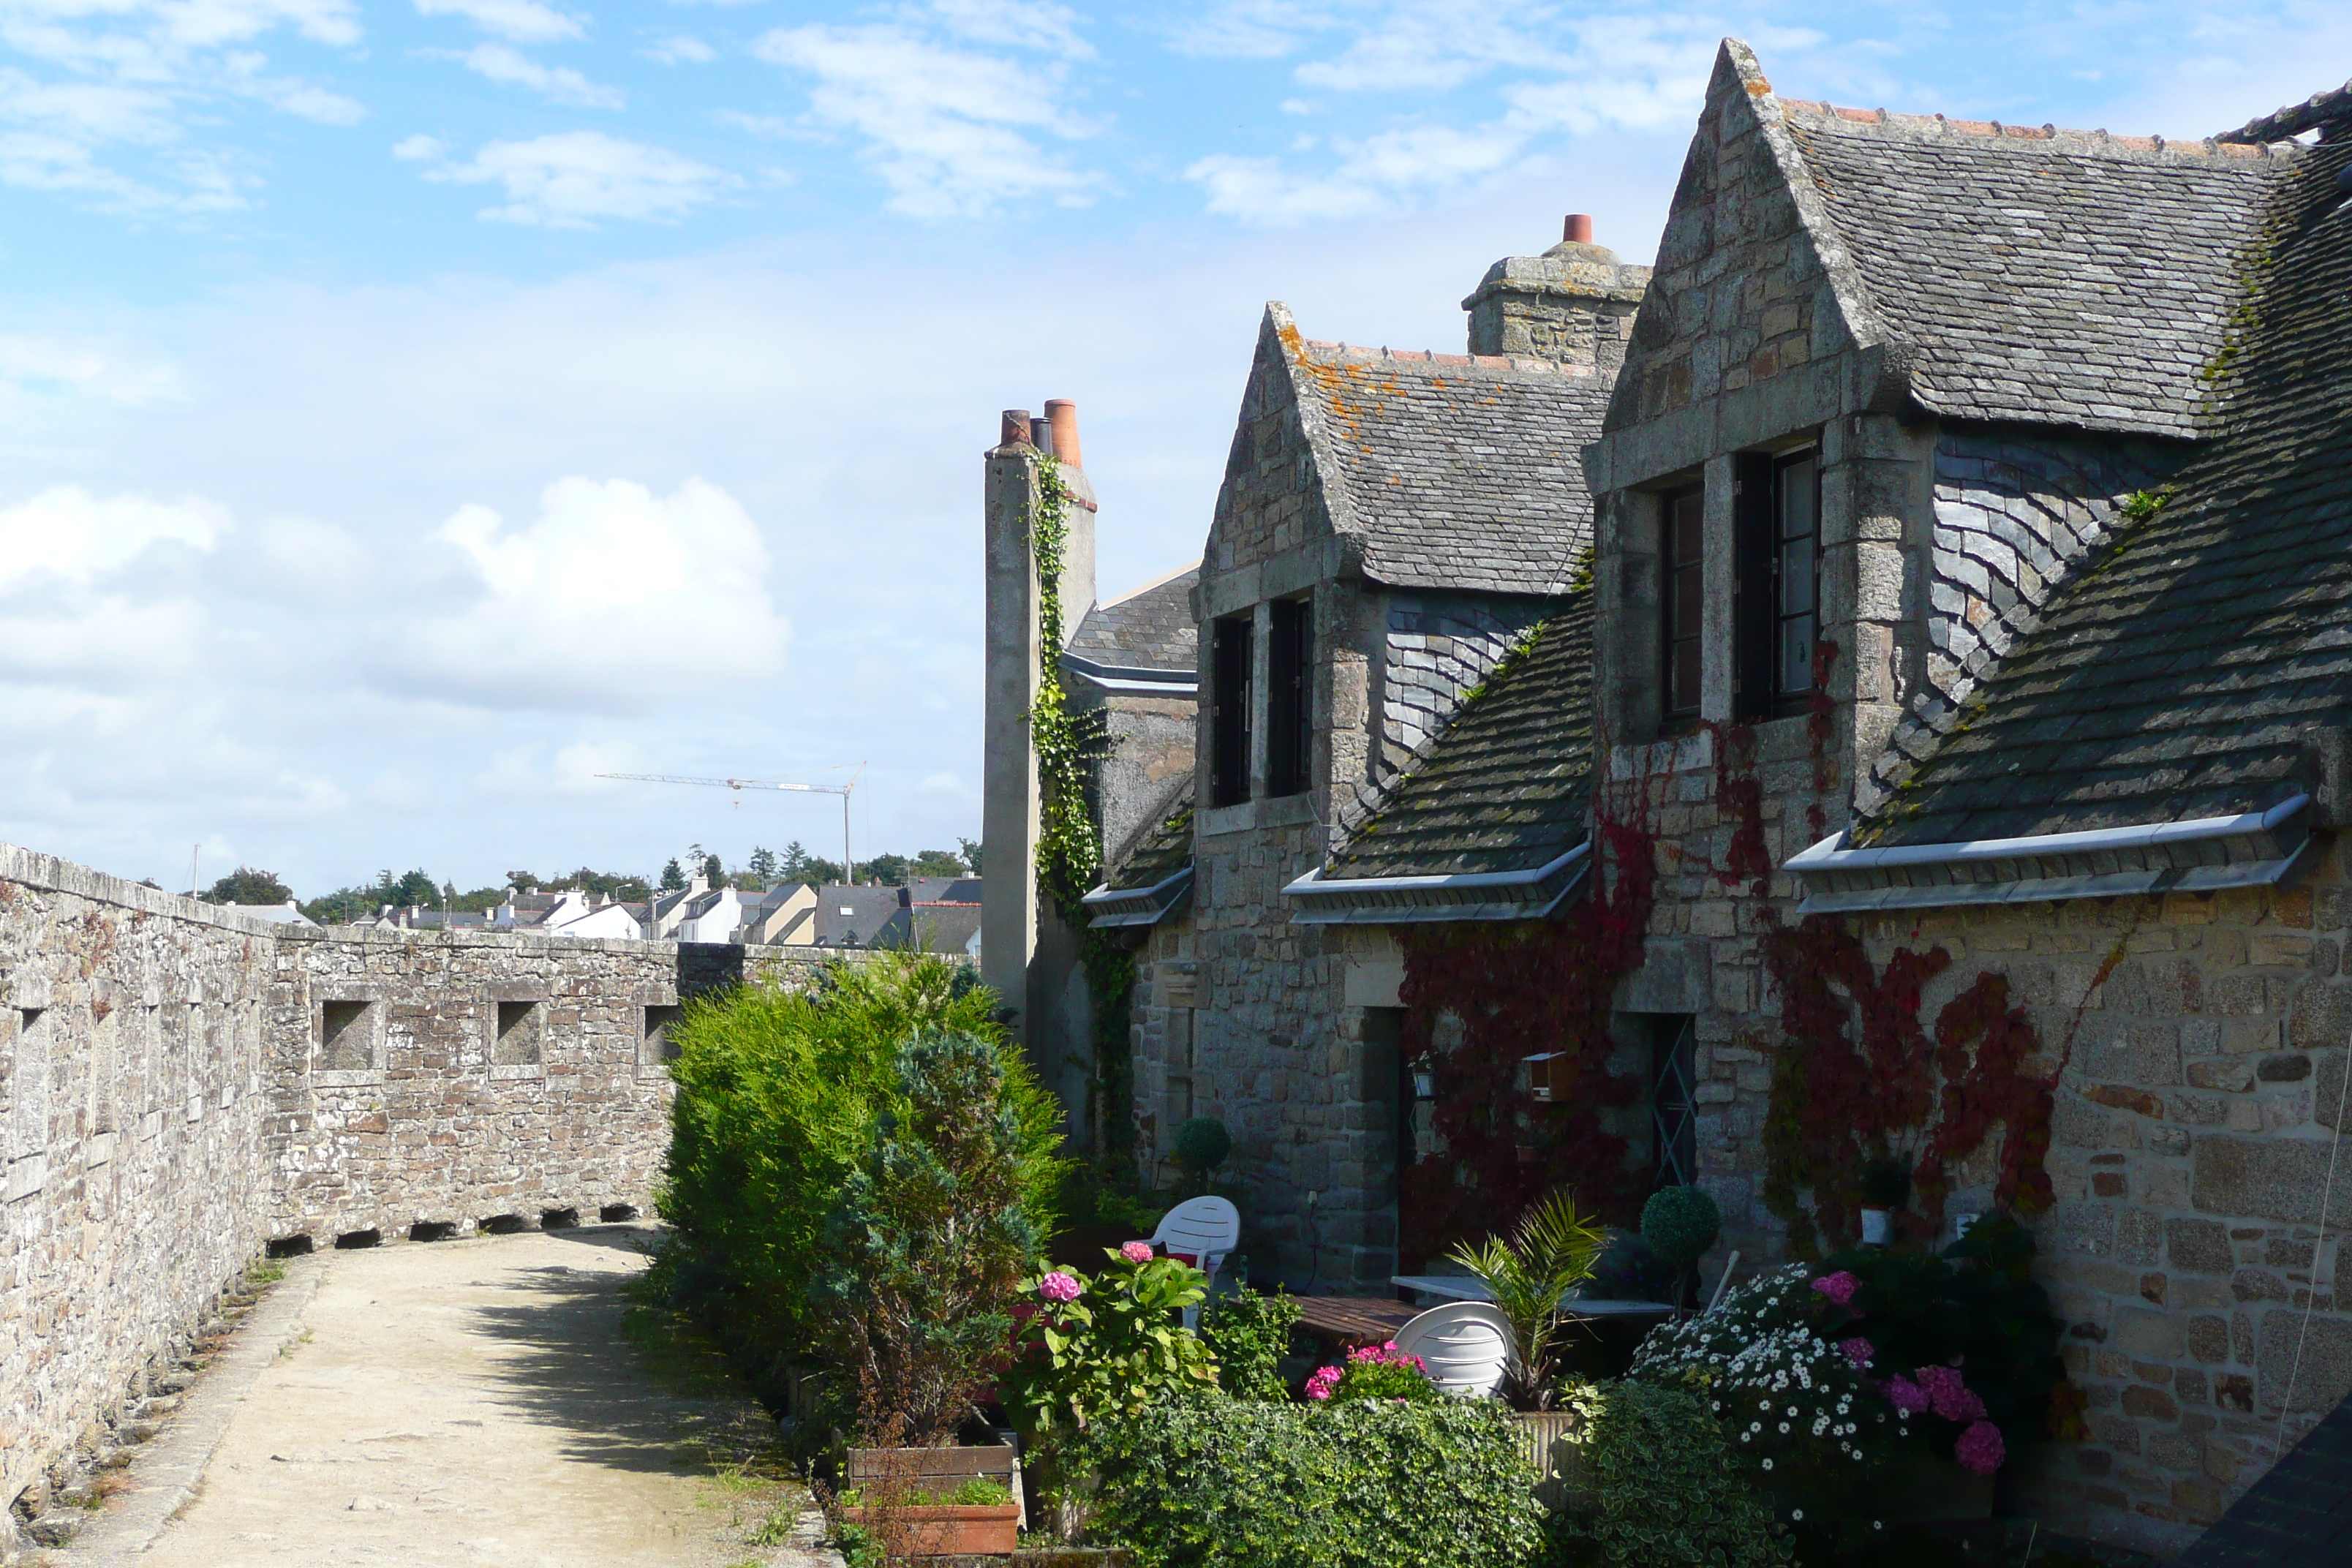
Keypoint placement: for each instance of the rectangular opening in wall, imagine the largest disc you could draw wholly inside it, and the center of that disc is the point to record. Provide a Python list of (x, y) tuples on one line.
[(1229, 710), (1673, 1122), (657, 1046), (344, 1037), (1289, 698), (1387, 1092), (1682, 606), (1776, 564), (519, 1035)]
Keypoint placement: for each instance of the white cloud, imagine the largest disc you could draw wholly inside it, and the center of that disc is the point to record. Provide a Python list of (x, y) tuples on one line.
[(560, 84), (681, 51), (607, 598), (570, 179), (945, 127), (1036, 25), (128, 80), (521, 21), (66, 533), (419, 148)]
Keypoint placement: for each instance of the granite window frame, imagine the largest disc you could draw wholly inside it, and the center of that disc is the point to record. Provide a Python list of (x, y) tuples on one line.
[(499, 1039), (1682, 608), (1290, 697), (368, 1020), (1231, 654)]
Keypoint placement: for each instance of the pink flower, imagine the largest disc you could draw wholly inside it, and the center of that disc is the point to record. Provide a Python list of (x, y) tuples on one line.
[(1905, 1394), (1137, 1252), (1325, 1380), (1059, 1287), (1951, 1398), (1839, 1287), (1980, 1449), (1858, 1351)]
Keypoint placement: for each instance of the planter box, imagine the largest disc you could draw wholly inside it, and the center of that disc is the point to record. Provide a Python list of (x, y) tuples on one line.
[(953, 1530), (1549, 1439), (939, 1470)]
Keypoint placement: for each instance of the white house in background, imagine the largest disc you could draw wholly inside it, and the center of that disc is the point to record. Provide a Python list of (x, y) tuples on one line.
[(285, 915), (711, 916), (569, 912)]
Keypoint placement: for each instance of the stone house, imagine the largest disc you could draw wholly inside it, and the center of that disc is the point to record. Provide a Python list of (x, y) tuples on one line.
[(1390, 523), (1965, 685)]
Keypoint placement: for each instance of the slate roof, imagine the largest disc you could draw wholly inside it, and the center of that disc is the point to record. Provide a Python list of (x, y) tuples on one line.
[(1452, 471), (2166, 680), (1150, 628), (1162, 850), (2039, 275), (2299, 1515), (1504, 786)]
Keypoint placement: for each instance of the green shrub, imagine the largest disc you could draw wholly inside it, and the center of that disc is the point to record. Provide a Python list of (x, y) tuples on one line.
[(1659, 1489), (779, 1094), (1202, 1143), (1680, 1223), (1375, 1372), (925, 1250), (1213, 1483), (1112, 1344), (1249, 1334)]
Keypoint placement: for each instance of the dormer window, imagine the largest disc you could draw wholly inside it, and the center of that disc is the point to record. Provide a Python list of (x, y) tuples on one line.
[(1777, 622), (1682, 577), (1290, 698), (1229, 709)]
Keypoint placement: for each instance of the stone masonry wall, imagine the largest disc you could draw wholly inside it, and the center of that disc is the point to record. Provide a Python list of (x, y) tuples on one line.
[(132, 1101)]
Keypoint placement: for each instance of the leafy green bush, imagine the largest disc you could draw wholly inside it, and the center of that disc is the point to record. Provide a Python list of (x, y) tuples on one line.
[(925, 1250), (1659, 1487), (1680, 1223), (779, 1094), (1212, 1482), (1249, 1334), (1375, 1372), (1089, 1349)]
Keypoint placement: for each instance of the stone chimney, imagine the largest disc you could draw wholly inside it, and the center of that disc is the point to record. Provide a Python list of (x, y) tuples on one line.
[(1013, 658), (1574, 304)]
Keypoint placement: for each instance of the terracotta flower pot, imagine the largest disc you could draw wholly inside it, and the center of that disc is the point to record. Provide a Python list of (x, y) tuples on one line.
[(952, 1530)]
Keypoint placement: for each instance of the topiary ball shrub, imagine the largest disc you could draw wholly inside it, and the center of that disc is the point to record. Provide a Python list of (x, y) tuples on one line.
[(1680, 1223), (1202, 1143)]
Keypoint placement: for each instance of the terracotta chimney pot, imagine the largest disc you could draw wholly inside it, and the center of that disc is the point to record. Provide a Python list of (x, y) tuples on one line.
[(1016, 429), (1063, 414), (1577, 231)]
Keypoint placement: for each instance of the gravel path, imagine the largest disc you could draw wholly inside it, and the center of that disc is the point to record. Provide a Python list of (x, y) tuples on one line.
[(459, 1402)]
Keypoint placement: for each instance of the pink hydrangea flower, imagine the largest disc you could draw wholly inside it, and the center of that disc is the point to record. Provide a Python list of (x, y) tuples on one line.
[(1839, 1287), (1905, 1394), (1325, 1380), (1059, 1287), (1858, 1351), (1137, 1252), (1952, 1399), (1980, 1449)]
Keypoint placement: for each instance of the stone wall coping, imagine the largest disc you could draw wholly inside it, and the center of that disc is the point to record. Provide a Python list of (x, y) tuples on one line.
[(55, 874)]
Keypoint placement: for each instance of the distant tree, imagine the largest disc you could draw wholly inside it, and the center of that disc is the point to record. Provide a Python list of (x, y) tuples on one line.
[(523, 881), (347, 904), (891, 870), (936, 863), (792, 865), (673, 878), (611, 884), (248, 885), (412, 888), (971, 854), (817, 873), (713, 872), (763, 865)]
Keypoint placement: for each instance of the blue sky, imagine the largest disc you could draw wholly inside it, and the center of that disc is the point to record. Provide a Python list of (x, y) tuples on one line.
[(408, 411)]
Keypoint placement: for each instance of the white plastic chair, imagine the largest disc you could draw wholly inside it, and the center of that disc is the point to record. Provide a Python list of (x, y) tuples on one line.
[(1204, 1229), (1465, 1346)]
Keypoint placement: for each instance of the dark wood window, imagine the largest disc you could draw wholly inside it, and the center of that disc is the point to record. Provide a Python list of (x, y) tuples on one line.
[(1673, 1120), (1682, 595), (1229, 710), (1776, 615), (1289, 698)]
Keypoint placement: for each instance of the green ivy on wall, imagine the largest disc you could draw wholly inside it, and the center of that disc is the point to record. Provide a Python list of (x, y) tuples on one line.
[(1069, 846)]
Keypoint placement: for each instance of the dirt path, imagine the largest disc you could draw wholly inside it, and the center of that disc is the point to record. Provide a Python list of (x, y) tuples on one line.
[(475, 1403)]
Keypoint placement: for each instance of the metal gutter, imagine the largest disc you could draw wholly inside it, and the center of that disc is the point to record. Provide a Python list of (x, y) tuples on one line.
[(1460, 896), (2205, 855), (1134, 679), (1116, 907)]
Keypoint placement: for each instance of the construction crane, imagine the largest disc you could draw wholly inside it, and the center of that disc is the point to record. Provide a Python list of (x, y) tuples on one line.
[(848, 866)]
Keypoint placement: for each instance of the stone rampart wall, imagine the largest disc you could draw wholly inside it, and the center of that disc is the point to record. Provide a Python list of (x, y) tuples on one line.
[(182, 1086), (132, 1098)]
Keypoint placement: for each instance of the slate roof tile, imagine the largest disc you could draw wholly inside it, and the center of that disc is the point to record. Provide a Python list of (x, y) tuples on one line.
[(1454, 475), (2076, 279), (1150, 628), (1504, 786), (1162, 851)]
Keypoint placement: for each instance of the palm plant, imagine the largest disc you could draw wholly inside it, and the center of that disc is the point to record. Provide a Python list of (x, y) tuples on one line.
[(1551, 1252)]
